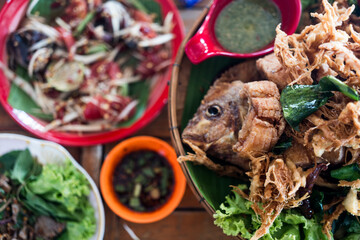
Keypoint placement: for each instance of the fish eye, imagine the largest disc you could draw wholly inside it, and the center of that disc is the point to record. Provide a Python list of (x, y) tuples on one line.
[(213, 111)]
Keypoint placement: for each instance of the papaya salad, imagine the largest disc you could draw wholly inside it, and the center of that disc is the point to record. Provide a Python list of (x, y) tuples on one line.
[(87, 65)]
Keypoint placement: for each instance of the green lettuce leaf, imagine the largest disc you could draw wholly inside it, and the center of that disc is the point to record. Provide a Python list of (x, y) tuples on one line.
[(63, 185), (62, 192), (236, 217)]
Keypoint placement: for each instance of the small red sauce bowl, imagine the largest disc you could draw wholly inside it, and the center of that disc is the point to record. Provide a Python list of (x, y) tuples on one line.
[(204, 43), (114, 158)]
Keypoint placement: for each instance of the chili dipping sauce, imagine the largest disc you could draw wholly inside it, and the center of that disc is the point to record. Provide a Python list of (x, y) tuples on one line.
[(143, 180)]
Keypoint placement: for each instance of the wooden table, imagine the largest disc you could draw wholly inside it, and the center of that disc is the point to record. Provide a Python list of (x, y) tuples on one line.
[(189, 221)]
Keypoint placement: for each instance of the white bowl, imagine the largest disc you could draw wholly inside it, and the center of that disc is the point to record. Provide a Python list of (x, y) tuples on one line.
[(49, 152)]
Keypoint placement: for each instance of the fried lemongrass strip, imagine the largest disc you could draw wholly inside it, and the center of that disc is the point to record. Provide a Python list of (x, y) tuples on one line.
[(352, 184), (124, 114), (21, 83), (85, 128), (240, 192), (268, 214), (329, 219), (58, 122), (161, 39)]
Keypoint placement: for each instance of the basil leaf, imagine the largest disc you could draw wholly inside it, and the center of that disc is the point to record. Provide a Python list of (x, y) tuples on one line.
[(7, 161), (23, 166), (330, 83), (48, 9), (349, 173), (300, 101)]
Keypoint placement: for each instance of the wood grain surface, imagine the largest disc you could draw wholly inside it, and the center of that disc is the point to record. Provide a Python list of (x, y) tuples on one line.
[(189, 221)]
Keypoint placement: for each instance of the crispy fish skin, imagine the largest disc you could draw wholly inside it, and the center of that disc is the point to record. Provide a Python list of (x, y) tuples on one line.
[(264, 122)]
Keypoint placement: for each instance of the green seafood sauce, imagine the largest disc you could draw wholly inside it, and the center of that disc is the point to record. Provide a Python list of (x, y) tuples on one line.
[(245, 26)]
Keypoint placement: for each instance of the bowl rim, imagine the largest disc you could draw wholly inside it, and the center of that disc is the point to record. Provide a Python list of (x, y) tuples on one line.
[(15, 9), (62, 150), (114, 157)]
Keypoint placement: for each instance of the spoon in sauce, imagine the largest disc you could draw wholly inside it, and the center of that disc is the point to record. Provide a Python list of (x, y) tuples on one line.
[(242, 28)]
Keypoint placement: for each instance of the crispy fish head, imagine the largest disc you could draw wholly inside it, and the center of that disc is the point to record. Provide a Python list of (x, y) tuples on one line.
[(236, 122), (215, 126)]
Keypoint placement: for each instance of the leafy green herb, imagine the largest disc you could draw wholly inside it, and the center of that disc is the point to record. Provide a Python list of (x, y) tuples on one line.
[(7, 161), (23, 166), (138, 5), (101, 47), (81, 27), (330, 83), (306, 3), (281, 146), (48, 9), (18, 99), (300, 101), (348, 173), (149, 7), (139, 90)]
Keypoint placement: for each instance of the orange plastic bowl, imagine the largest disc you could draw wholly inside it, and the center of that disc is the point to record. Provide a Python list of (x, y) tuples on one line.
[(113, 159)]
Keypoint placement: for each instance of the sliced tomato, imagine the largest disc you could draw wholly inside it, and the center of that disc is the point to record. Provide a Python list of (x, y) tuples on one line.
[(105, 70), (92, 112), (105, 108), (68, 39)]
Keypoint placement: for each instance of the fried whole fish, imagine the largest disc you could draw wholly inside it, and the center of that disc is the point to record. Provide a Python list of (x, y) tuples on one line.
[(235, 121)]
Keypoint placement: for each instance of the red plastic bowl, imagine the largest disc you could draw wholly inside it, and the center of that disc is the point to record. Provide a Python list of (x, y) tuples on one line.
[(10, 17), (204, 43)]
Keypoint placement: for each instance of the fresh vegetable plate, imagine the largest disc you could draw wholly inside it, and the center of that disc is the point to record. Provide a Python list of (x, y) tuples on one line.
[(148, 102), (51, 153)]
